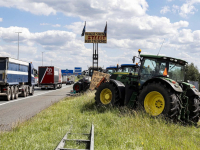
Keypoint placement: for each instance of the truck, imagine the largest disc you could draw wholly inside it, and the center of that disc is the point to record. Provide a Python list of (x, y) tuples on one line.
[(49, 77), (64, 79), (16, 78)]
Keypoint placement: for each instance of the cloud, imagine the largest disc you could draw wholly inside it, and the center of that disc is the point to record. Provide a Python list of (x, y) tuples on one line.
[(165, 9), (44, 24), (175, 8), (62, 47), (129, 28), (56, 25), (84, 9), (37, 8), (188, 8), (1, 19)]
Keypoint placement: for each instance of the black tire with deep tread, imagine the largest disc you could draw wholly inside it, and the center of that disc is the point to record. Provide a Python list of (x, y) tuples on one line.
[(80, 87), (194, 108), (172, 106), (115, 94)]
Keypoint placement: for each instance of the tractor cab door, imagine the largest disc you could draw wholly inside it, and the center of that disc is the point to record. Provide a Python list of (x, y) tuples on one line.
[(151, 68)]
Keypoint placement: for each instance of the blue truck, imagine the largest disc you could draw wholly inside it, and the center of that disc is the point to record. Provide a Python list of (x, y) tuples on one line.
[(16, 78)]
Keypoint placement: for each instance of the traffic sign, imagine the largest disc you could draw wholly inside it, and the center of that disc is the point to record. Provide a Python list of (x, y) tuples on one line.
[(66, 72), (77, 69)]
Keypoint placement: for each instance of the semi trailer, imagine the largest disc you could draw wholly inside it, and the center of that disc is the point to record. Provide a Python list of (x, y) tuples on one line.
[(16, 78), (49, 77)]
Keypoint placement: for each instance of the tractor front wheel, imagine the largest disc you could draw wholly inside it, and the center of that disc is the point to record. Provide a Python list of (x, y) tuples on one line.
[(157, 99), (107, 94)]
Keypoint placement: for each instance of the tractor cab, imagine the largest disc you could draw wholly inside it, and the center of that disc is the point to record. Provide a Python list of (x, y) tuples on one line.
[(129, 68), (161, 66), (91, 70), (112, 69)]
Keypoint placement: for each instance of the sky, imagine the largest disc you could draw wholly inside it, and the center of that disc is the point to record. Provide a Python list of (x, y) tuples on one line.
[(52, 29)]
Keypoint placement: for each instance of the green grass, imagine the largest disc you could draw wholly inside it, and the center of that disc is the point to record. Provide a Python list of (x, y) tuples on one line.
[(114, 128)]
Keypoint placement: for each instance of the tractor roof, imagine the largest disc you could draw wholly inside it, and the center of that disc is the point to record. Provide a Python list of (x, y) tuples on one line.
[(176, 60), (127, 65), (114, 67)]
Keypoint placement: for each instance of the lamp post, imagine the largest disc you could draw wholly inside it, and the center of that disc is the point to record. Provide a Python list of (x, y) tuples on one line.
[(18, 44), (42, 58)]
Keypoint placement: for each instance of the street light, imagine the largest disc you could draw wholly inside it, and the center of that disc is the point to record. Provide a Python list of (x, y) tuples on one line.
[(18, 43), (42, 58)]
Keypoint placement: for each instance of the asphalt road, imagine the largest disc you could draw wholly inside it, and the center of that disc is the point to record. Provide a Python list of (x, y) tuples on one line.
[(19, 110)]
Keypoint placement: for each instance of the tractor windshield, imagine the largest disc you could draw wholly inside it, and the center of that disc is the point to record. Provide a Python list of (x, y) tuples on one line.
[(111, 70), (176, 72), (127, 69), (157, 67)]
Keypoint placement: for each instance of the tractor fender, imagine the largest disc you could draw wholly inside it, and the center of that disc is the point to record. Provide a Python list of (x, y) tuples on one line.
[(120, 86), (192, 92), (190, 89), (175, 86)]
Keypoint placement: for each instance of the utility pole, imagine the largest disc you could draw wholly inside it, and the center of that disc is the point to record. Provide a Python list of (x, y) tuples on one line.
[(18, 44), (42, 58)]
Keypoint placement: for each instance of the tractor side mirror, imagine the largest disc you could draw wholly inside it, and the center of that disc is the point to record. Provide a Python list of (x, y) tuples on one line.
[(133, 59)]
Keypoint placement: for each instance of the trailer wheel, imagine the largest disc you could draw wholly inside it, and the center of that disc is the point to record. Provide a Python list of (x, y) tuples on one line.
[(60, 85), (8, 94), (16, 92), (54, 87), (12, 92), (32, 90), (28, 91), (24, 92)]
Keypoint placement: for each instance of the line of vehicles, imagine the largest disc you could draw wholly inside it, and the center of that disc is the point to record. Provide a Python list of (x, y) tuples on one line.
[(18, 78)]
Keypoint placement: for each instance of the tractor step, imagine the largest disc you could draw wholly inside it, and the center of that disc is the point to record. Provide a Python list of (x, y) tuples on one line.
[(89, 143)]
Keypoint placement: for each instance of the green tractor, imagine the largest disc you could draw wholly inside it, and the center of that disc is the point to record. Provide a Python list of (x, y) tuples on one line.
[(157, 86)]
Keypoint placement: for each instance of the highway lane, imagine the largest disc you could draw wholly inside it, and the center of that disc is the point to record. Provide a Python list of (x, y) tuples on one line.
[(16, 111)]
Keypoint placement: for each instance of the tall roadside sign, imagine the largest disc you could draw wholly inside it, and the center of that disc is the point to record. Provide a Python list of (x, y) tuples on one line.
[(95, 38)]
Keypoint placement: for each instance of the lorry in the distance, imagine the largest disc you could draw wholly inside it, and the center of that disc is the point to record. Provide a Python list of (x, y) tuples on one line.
[(64, 79), (16, 78), (49, 77)]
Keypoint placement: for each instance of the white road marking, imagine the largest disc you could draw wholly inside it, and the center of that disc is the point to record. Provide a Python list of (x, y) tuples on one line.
[(30, 96)]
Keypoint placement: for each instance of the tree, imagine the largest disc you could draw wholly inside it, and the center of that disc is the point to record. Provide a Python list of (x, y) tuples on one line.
[(192, 73)]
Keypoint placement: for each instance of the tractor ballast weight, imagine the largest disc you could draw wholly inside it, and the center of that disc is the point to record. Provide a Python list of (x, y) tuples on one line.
[(158, 88)]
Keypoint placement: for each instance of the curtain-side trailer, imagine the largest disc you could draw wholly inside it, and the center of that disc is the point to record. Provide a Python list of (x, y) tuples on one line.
[(49, 77), (16, 78)]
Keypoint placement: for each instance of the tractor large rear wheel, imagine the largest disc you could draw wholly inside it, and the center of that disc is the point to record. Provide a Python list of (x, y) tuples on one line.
[(107, 94), (194, 108), (157, 99), (77, 87)]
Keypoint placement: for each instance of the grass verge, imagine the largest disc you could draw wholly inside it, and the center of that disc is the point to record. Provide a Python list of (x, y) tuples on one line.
[(115, 129)]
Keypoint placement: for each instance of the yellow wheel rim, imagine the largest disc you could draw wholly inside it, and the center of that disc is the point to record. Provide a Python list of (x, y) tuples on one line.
[(154, 103), (106, 96)]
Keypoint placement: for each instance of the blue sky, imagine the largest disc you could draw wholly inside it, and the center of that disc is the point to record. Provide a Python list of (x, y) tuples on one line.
[(54, 27)]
